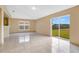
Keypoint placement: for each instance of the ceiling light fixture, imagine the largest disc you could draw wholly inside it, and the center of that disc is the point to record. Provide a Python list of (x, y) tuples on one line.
[(33, 8)]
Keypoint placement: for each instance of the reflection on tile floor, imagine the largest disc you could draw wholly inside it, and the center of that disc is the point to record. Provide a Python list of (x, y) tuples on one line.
[(25, 38), (60, 46), (74, 48), (63, 46), (27, 42), (36, 43)]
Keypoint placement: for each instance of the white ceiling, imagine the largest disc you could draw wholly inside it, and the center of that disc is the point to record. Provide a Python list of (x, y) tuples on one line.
[(26, 12)]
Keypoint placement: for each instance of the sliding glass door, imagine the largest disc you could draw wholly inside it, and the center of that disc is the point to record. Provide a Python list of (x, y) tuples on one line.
[(61, 26)]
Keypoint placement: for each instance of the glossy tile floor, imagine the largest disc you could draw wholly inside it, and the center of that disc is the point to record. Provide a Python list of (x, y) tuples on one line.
[(36, 43), (27, 42), (74, 48), (60, 45)]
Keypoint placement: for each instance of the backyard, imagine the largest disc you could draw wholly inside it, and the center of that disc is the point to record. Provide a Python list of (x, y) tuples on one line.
[(64, 33)]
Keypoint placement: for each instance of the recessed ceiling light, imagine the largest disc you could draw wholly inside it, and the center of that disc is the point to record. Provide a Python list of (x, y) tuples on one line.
[(33, 8)]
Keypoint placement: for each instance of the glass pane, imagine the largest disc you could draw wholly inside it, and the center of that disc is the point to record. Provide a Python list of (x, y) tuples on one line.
[(64, 26), (55, 27), (26, 27), (22, 27)]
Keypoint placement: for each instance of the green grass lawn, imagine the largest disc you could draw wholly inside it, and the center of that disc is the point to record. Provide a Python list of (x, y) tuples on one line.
[(64, 33), (55, 32)]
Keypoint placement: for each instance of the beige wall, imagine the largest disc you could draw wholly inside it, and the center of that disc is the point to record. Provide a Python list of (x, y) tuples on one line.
[(0, 18), (33, 26), (0, 24), (43, 24), (3, 7), (14, 25)]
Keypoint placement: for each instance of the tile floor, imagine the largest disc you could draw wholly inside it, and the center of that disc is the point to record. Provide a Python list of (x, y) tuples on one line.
[(27, 42), (63, 46), (60, 46), (74, 48), (36, 43)]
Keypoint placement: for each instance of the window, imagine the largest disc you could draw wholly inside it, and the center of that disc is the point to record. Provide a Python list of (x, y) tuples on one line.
[(24, 25)]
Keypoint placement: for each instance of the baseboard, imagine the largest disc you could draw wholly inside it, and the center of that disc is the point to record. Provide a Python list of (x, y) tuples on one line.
[(75, 43), (43, 34), (21, 32)]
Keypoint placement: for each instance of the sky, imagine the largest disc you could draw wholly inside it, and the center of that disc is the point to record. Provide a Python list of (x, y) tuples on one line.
[(61, 20)]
